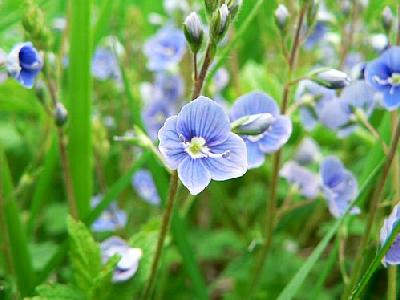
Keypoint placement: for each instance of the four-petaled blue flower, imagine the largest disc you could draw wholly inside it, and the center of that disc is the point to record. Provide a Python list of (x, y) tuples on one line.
[(144, 185), (168, 87), (392, 257), (129, 257), (105, 65), (111, 219), (339, 186), (383, 74), (24, 63), (199, 144), (273, 138), (305, 181), (165, 49)]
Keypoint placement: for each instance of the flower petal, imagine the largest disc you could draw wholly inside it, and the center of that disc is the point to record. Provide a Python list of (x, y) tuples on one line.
[(391, 99), (194, 175), (277, 135), (170, 145), (253, 103), (204, 118), (232, 166), (255, 157)]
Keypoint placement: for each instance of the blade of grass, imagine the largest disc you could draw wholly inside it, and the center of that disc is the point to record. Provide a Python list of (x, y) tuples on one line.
[(79, 93), (359, 287), (100, 28), (42, 186), (295, 283), (18, 242)]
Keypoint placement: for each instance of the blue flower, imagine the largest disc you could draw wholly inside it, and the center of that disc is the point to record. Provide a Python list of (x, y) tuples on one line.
[(105, 65), (308, 152), (144, 185), (305, 181), (273, 138), (318, 33), (221, 79), (165, 49), (357, 100), (383, 74), (339, 186), (24, 64), (199, 144), (168, 87), (129, 258), (154, 115), (312, 96), (111, 219), (392, 257)]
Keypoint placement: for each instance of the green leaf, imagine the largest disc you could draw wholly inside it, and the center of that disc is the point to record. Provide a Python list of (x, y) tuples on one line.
[(84, 254), (102, 21), (16, 239), (103, 282), (58, 292), (79, 104)]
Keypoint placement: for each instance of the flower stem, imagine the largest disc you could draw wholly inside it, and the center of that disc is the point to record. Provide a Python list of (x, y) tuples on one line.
[(271, 205), (163, 234), (198, 85), (62, 147), (195, 71), (373, 208)]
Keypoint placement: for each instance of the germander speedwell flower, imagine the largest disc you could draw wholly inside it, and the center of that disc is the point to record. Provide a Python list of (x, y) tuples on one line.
[(24, 63), (199, 144), (383, 74), (274, 135)]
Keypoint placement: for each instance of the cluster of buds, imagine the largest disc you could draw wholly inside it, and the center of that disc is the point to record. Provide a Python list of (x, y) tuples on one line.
[(220, 15), (35, 27)]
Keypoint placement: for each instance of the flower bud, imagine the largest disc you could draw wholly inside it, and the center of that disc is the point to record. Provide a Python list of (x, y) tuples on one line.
[(387, 19), (281, 17), (234, 6), (193, 31), (346, 7), (253, 124), (60, 114), (211, 6), (331, 78), (220, 23)]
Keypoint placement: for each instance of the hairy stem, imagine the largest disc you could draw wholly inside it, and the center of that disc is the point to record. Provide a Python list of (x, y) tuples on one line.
[(163, 234)]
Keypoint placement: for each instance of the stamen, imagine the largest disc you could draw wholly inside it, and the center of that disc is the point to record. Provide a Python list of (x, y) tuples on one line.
[(197, 148)]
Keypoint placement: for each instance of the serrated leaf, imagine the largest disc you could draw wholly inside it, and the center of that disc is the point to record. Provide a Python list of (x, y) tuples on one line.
[(84, 254), (103, 282), (58, 292)]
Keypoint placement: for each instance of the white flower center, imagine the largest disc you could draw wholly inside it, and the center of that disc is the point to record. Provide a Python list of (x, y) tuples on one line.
[(197, 148), (393, 81)]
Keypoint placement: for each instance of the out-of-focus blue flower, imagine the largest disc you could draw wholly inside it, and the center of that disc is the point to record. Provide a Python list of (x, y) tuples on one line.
[(198, 143), (144, 185), (339, 186), (221, 79), (383, 74), (305, 181), (392, 257), (320, 29), (168, 87), (154, 115), (357, 100), (24, 64), (105, 65), (165, 49), (312, 96), (111, 219), (129, 258), (308, 152), (273, 138)]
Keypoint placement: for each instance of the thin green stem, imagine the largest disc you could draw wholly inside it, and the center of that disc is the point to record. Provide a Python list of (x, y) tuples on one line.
[(162, 235), (374, 206), (271, 205), (199, 82)]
